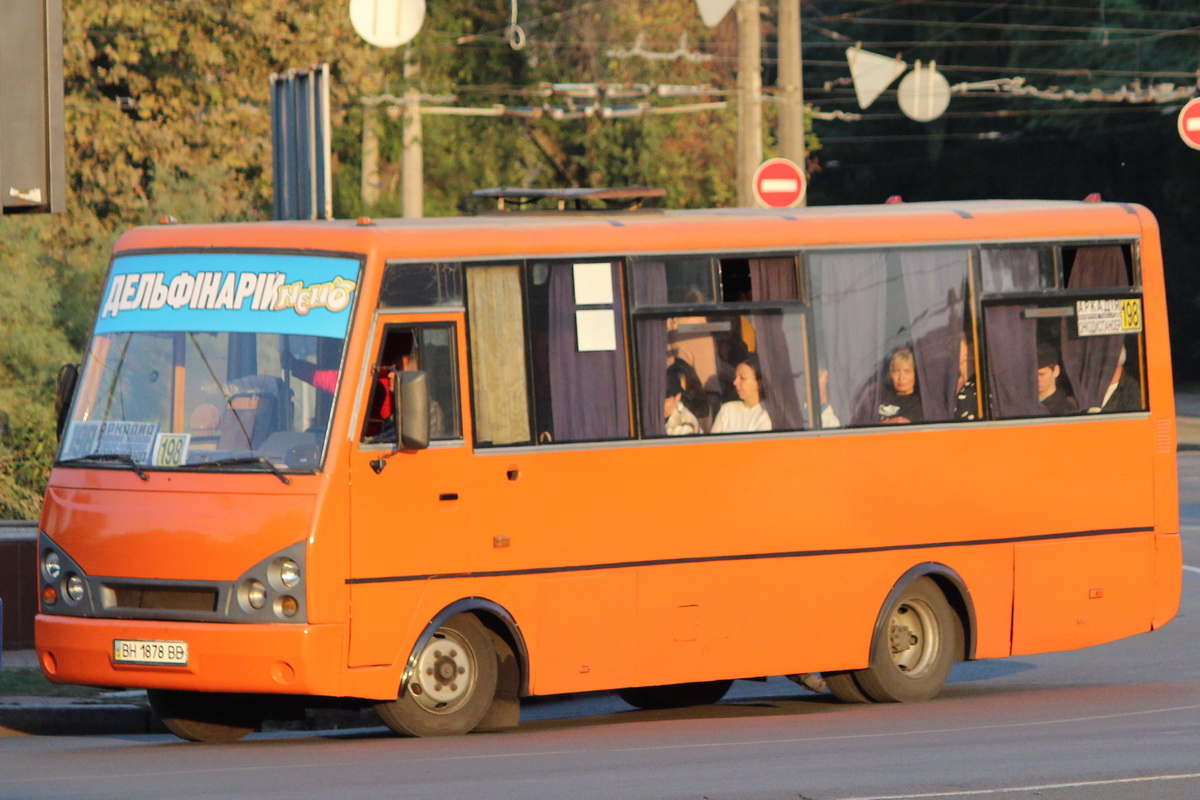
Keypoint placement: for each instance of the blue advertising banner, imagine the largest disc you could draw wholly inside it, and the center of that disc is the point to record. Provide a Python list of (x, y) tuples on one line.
[(233, 292)]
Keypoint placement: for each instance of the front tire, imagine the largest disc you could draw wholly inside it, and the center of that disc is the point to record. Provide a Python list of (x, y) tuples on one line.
[(676, 695), (912, 656), (205, 716), (452, 684)]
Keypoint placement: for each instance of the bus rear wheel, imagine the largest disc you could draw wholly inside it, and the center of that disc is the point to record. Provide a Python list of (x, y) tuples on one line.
[(911, 659), (452, 685), (205, 716), (842, 686), (676, 695)]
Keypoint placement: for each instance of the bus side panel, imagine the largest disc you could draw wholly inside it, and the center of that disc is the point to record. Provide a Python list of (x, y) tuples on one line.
[(1080, 592), (381, 619), (757, 617), (586, 624), (986, 573), (1168, 577)]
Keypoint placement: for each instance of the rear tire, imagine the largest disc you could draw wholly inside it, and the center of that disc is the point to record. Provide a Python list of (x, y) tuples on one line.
[(842, 686), (912, 657), (204, 716), (676, 695), (452, 684)]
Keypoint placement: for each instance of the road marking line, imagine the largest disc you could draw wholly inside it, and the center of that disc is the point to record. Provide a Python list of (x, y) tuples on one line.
[(725, 745), (1191, 569), (1009, 789)]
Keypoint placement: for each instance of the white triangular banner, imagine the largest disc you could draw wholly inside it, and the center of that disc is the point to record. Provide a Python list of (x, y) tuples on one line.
[(872, 73), (713, 11)]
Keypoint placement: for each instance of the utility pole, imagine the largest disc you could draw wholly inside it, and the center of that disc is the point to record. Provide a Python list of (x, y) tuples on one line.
[(412, 170), (791, 86), (370, 156), (749, 84)]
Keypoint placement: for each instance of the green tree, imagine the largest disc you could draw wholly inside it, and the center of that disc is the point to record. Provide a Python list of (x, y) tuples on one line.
[(166, 113)]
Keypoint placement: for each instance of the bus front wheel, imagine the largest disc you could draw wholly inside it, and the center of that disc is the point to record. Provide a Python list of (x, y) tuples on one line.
[(452, 684), (915, 647), (205, 716)]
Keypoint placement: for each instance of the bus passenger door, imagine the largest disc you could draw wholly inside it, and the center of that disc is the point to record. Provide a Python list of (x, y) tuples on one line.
[(405, 505)]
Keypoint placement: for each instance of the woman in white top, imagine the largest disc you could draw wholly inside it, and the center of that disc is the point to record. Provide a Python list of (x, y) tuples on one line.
[(746, 414)]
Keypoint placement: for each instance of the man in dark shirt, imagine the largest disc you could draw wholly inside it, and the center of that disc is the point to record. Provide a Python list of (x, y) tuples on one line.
[(1052, 398), (1124, 392)]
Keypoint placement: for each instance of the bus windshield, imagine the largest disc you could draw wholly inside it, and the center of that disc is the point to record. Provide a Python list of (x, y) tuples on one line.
[(236, 366)]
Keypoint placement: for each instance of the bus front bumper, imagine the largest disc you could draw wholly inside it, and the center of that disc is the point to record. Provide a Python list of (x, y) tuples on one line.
[(272, 659)]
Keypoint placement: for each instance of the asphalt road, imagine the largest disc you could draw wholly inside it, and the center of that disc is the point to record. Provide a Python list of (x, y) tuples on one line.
[(1116, 721)]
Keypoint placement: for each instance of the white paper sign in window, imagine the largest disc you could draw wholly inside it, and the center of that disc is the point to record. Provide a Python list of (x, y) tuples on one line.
[(593, 284), (595, 330), (1108, 317)]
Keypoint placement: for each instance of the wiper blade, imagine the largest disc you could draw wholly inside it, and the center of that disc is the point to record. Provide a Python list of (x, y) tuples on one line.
[(123, 458), (243, 462)]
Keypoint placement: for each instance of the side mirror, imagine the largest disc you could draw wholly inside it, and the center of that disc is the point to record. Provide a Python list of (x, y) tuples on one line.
[(68, 379), (413, 423)]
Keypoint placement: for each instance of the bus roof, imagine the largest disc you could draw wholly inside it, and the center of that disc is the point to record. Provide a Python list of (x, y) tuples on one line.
[(515, 235)]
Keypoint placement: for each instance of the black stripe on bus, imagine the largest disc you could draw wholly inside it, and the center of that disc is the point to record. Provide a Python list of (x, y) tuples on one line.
[(660, 562)]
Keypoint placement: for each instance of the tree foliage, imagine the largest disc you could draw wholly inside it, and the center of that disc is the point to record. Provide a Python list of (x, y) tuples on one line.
[(992, 145), (167, 113)]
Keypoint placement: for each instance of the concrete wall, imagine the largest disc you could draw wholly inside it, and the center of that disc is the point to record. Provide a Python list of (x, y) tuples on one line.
[(18, 582)]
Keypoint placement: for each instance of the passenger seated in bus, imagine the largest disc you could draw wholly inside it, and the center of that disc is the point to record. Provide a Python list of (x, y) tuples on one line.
[(1124, 393), (829, 417), (900, 402), (746, 414), (678, 420), (1050, 394), (687, 340), (697, 401), (966, 402)]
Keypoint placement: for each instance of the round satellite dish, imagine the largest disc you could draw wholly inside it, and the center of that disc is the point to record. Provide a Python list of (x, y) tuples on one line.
[(387, 23), (924, 93)]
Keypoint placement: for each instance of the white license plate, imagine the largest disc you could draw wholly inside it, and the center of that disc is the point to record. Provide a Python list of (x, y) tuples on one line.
[(141, 651)]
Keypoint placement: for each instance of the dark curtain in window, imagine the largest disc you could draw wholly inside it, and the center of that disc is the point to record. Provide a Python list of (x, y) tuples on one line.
[(650, 289), (588, 391), (1090, 361), (850, 297), (935, 283), (774, 279), (1012, 362), (1011, 270)]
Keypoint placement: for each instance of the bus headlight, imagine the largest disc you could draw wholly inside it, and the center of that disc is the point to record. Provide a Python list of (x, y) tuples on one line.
[(273, 590), (289, 573), (75, 588), (254, 594), (51, 565)]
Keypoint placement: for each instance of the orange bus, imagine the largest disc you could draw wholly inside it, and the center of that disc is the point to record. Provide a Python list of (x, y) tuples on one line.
[(439, 465)]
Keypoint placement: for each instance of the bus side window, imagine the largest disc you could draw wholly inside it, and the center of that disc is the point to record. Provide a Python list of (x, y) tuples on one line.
[(429, 349), (890, 331), (499, 377), (577, 346), (702, 346)]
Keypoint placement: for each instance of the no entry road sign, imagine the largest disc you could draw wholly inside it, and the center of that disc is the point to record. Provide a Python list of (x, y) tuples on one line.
[(779, 183), (1189, 124)]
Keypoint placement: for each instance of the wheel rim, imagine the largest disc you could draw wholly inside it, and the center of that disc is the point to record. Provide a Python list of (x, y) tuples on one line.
[(913, 637), (445, 673)]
